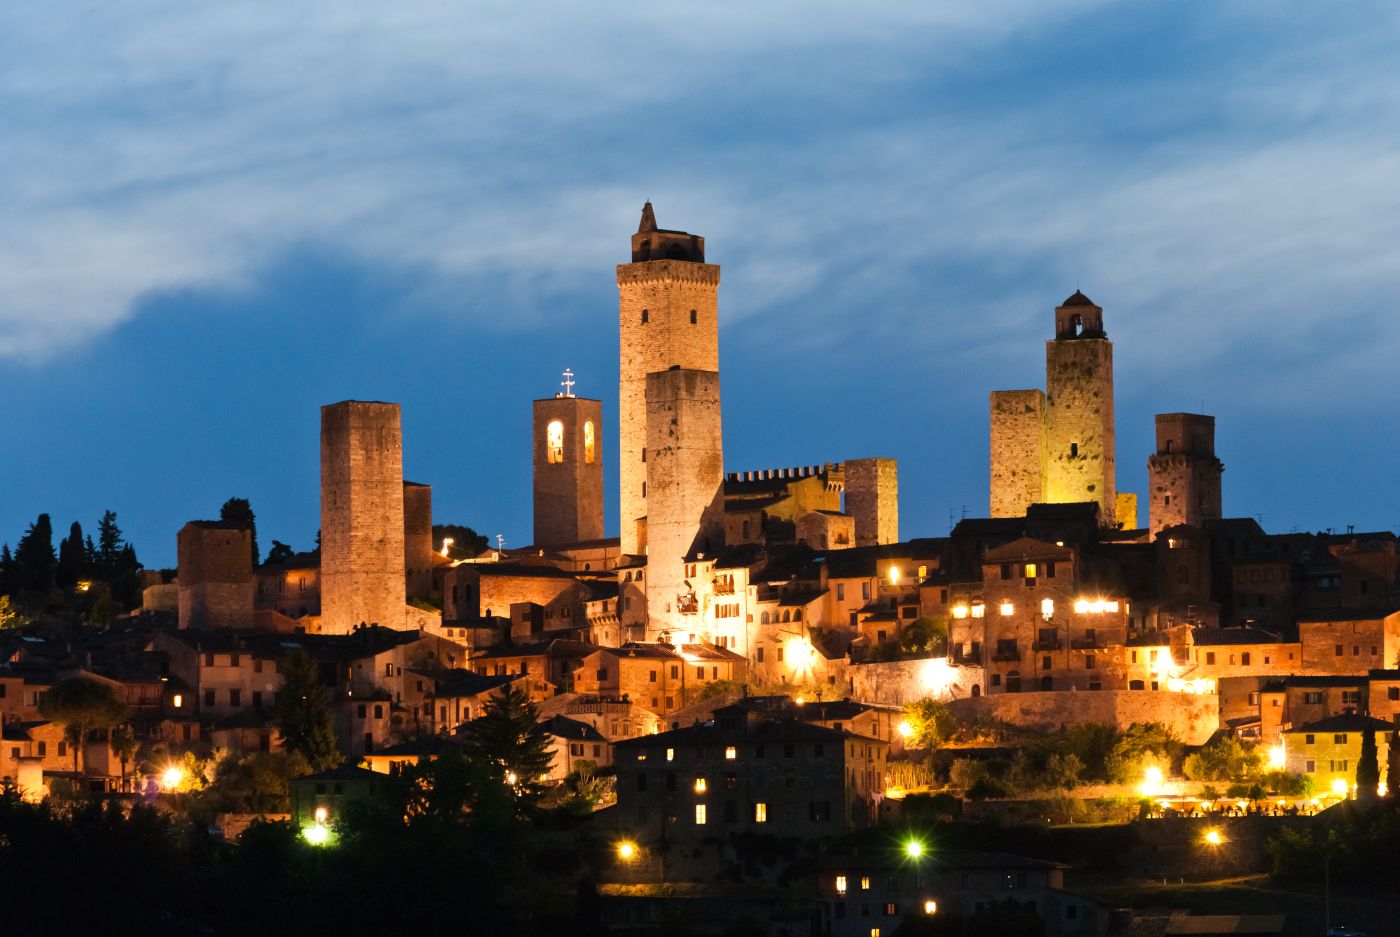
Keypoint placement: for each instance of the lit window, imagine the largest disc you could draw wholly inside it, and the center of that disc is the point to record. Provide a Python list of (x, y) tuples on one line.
[(554, 442), (1007, 609), (840, 884), (894, 575), (699, 785), (178, 701), (699, 814), (1030, 570), (760, 813), (731, 753), (1081, 606), (865, 883), (930, 906), (670, 754), (1047, 609), (588, 442), (959, 611), (979, 610)]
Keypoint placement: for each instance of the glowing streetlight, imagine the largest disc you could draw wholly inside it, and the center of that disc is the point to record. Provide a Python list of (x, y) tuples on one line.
[(627, 850), (930, 906), (318, 834), (1213, 837), (1152, 780), (171, 777), (1277, 758), (446, 543), (512, 778), (906, 730), (322, 815), (1340, 787), (914, 849)]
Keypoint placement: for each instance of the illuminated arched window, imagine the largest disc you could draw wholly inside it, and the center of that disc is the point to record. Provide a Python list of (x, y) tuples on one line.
[(588, 442), (554, 442)]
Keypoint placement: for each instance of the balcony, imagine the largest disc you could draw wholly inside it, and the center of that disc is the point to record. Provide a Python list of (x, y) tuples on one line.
[(724, 588), (688, 606), (973, 656), (1049, 644), (1009, 651)]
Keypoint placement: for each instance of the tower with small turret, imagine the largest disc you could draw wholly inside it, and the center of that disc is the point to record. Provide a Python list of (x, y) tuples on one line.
[(568, 458)]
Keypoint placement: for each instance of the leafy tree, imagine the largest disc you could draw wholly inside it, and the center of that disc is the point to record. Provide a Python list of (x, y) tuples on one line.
[(72, 558), (10, 616), (239, 513), (35, 563), (1392, 756), (925, 635), (279, 552), (303, 711), (965, 773), (255, 783), (1063, 772), (1142, 745), (1368, 769), (103, 612), (80, 705), (1224, 759), (509, 738), (466, 543), (125, 745), (930, 721)]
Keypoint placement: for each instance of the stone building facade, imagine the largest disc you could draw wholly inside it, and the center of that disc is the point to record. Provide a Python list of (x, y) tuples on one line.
[(1058, 448), (216, 575), (872, 498), (684, 481), (418, 540), (668, 318), (568, 470), (1184, 473), (362, 516)]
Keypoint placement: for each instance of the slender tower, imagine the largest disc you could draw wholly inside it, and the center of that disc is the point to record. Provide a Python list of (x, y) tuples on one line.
[(568, 455), (1079, 409), (362, 516), (1184, 473), (668, 317)]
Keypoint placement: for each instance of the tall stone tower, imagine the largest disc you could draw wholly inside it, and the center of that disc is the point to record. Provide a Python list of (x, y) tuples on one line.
[(418, 539), (568, 450), (668, 314), (362, 516), (872, 500), (685, 492), (1184, 473), (1057, 448)]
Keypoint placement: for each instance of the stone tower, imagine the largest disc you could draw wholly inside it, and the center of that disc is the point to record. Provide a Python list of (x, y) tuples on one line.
[(1184, 473), (418, 539), (685, 492), (872, 499), (668, 316), (568, 455), (216, 575), (362, 516), (1057, 448)]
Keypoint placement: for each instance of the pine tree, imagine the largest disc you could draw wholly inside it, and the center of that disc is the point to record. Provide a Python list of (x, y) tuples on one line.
[(1368, 769), (509, 738), (35, 561), (109, 543), (239, 513), (303, 710)]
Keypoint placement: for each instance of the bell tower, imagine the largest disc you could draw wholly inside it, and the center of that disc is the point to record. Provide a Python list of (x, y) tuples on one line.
[(568, 457), (668, 318), (1079, 461)]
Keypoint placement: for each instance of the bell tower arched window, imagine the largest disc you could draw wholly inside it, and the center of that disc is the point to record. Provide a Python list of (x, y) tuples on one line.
[(588, 449), (554, 442)]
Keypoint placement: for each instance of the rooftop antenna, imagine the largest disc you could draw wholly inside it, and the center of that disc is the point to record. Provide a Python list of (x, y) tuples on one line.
[(500, 543), (568, 382)]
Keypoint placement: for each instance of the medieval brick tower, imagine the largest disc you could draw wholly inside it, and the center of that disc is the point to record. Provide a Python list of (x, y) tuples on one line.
[(872, 499), (362, 516), (568, 454), (418, 539), (216, 575), (1184, 473), (684, 485), (1057, 447), (669, 318)]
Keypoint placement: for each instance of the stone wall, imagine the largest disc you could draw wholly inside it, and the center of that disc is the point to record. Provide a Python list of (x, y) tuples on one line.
[(685, 479), (1017, 451), (872, 499), (668, 315), (1192, 717), (895, 683), (215, 576), (362, 516), (568, 492)]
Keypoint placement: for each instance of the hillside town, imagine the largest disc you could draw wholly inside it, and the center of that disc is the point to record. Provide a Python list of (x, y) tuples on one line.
[(770, 702)]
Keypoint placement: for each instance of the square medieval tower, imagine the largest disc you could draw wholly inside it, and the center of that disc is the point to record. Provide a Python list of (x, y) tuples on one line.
[(568, 458), (362, 516), (668, 315)]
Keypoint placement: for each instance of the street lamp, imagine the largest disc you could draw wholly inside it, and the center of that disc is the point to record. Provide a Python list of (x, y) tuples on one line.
[(627, 850), (171, 777)]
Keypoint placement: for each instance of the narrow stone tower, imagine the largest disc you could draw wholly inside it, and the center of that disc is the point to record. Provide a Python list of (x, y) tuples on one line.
[(1184, 473), (1079, 409), (872, 499), (418, 539), (685, 482), (668, 314), (568, 455), (362, 516)]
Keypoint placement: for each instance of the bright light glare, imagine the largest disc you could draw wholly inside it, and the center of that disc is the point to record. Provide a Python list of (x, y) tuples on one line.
[(446, 542), (626, 850), (930, 906), (936, 675), (1277, 757), (905, 729), (512, 778), (913, 849), (1152, 780), (322, 814), (171, 777), (1213, 837), (1339, 787), (317, 834)]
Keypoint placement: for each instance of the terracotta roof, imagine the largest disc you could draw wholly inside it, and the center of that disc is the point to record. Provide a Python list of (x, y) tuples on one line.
[(1078, 299)]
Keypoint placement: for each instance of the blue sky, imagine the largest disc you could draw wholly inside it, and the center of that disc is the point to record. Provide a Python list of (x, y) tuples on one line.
[(218, 217)]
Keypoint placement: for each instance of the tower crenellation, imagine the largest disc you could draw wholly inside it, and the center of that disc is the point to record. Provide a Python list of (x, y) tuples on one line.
[(1184, 473)]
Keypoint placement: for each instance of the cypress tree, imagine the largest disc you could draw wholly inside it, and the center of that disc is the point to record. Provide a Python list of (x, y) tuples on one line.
[(303, 711), (72, 557), (239, 513), (35, 561), (1368, 769)]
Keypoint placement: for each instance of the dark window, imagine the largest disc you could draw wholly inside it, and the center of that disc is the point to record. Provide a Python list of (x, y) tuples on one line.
[(641, 782), (208, 697), (646, 315), (693, 317), (235, 697)]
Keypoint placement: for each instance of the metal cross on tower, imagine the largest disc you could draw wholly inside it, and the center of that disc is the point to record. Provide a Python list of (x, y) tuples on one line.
[(568, 382)]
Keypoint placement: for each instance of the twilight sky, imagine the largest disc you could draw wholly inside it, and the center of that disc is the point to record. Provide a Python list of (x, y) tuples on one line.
[(218, 217)]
